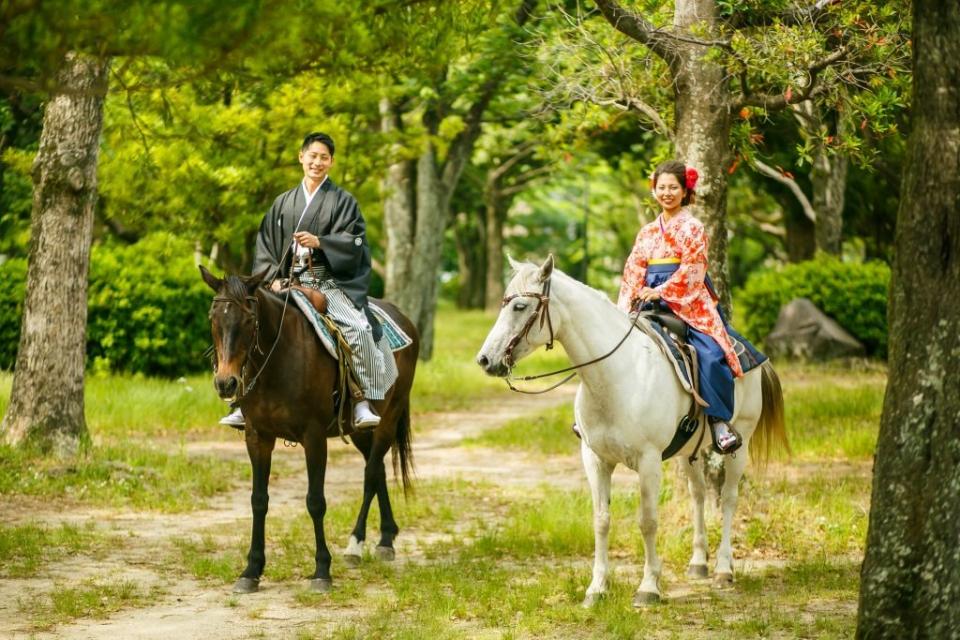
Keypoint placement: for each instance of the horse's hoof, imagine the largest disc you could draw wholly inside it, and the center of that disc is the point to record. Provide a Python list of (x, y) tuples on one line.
[(387, 554), (723, 580), (644, 598), (591, 600), (246, 585), (697, 571), (352, 560), (321, 585)]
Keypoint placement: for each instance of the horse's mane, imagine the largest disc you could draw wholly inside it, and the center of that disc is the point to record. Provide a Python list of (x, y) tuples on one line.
[(529, 274), (235, 288)]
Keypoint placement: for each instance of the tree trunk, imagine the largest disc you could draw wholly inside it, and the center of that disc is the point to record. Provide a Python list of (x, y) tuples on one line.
[(432, 205), (399, 218), (496, 217), (703, 123), (800, 240), (46, 402), (829, 178), (910, 580), (471, 260)]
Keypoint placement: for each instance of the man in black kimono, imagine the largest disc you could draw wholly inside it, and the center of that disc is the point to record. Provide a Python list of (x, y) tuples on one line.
[(316, 230)]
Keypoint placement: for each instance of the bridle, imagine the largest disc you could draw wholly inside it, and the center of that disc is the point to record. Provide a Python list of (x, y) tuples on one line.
[(543, 312), (246, 387)]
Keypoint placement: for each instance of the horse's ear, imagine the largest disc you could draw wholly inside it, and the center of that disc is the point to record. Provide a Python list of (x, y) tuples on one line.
[(546, 269), (212, 281), (514, 264), (254, 281)]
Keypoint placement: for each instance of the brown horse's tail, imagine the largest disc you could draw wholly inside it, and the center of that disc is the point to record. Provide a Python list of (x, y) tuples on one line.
[(403, 451), (771, 431)]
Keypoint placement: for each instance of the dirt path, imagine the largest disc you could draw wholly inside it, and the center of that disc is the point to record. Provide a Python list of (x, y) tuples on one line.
[(183, 608)]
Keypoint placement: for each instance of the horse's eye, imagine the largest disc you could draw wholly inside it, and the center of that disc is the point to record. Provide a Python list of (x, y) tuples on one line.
[(519, 306)]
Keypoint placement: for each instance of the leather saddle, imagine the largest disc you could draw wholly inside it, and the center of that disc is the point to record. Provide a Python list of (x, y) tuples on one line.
[(316, 298), (670, 322)]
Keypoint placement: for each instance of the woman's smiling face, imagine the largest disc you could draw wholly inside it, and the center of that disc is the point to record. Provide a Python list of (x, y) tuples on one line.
[(669, 192)]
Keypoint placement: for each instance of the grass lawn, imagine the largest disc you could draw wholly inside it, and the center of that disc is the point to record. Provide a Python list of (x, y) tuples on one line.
[(481, 557)]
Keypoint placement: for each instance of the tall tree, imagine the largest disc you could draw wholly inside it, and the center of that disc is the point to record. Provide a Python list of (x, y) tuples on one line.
[(46, 402), (722, 59), (419, 187), (66, 52), (910, 580)]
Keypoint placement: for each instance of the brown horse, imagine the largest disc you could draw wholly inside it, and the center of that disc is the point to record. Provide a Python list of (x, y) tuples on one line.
[(269, 360)]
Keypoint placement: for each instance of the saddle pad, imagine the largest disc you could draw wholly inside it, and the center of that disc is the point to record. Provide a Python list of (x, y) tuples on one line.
[(656, 331), (396, 338)]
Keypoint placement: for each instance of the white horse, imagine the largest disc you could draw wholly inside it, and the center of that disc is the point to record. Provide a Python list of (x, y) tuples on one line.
[(627, 409)]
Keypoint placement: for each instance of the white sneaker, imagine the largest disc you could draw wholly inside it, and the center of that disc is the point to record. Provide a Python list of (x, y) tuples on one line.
[(234, 419), (364, 417)]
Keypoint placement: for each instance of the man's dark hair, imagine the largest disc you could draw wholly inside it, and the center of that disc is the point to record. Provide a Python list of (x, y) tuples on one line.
[(316, 136)]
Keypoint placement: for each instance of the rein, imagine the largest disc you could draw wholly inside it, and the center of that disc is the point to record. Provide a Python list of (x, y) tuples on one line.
[(543, 311), (245, 387)]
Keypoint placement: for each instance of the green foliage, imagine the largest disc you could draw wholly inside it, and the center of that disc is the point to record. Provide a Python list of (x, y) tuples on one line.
[(13, 278), (852, 293), (147, 308)]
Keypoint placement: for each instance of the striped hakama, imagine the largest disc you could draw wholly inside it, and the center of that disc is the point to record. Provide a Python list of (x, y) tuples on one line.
[(373, 361)]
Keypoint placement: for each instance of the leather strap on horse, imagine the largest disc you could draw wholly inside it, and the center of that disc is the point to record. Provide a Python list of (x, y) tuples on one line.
[(689, 423), (347, 385)]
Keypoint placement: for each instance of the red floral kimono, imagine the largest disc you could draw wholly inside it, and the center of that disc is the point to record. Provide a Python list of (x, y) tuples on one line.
[(685, 292)]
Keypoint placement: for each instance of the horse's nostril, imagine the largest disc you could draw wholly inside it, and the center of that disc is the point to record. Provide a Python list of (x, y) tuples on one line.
[(483, 361)]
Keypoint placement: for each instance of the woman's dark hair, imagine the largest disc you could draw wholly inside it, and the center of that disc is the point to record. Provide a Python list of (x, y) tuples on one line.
[(679, 171), (317, 137)]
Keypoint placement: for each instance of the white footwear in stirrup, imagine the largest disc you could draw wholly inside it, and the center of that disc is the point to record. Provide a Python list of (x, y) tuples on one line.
[(234, 419), (363, 416)]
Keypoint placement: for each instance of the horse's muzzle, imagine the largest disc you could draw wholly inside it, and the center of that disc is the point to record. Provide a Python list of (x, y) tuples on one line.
[(498, 369), (227, 386)]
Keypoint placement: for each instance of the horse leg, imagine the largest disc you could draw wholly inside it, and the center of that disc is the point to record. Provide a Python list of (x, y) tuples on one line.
[(388, 526), (598, 475), (353, 554), (315, 452), (374, 484), (260, 450), (650, 471), (698, 490), (733, 471)]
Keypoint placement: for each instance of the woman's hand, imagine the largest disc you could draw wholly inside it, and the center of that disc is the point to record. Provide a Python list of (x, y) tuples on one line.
[(648, 294), (307, 239)]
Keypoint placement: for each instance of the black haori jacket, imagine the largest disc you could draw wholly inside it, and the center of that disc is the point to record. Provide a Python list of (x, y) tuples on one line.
[(334, 217)]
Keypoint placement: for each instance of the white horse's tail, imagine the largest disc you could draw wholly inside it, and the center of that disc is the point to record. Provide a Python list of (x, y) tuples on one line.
[(771, 431)]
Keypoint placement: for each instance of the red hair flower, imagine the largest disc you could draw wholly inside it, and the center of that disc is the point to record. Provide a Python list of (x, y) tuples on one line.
[(692, 177)]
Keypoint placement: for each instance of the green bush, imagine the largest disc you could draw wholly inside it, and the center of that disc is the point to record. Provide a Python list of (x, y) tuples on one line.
[(13, 276), (853, 294), (147, 308)]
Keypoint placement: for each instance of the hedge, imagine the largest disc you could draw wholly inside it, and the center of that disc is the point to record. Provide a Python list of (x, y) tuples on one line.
[(147, 308), (852, 293)]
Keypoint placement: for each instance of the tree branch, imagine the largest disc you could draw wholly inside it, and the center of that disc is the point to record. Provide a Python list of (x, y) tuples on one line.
[(793, 16), (791, 184), (772, 102), (637, 27)]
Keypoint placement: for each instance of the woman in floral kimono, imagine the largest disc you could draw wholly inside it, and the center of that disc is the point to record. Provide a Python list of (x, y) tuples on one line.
[(668, 267)]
